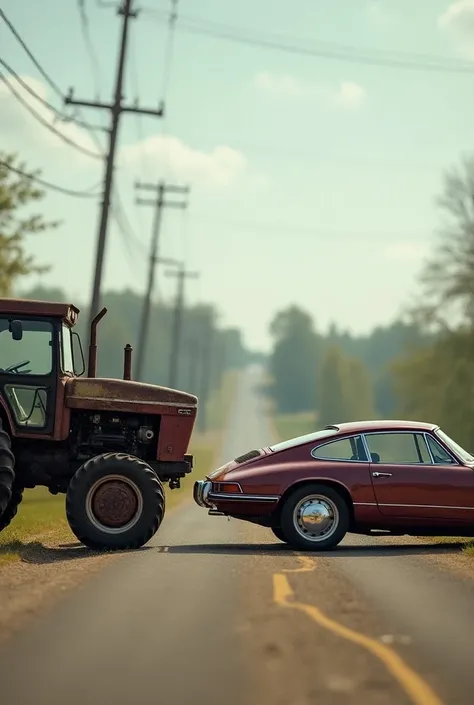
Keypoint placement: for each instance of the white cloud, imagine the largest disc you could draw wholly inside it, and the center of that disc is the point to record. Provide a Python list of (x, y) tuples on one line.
[(220, 167), (19, 127), (22, 133), (348, 96), (280, 85), (458, 21)]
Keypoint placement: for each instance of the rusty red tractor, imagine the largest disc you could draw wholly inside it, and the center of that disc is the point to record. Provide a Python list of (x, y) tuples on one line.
[(109, 445)]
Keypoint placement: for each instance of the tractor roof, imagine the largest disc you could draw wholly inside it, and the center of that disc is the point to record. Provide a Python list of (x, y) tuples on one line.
[(27, 307)]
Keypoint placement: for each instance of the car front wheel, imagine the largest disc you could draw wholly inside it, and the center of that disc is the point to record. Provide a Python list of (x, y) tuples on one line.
[(315, 518)]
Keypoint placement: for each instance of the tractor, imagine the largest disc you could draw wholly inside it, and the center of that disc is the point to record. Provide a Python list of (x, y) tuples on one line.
[(109, 445)]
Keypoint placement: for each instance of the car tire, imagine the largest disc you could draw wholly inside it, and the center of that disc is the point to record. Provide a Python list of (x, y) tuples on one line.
[(315, 530), (115, 502), (278, 533)]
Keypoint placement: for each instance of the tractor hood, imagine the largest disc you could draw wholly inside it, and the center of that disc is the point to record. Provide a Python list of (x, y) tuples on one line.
[(100, 393)]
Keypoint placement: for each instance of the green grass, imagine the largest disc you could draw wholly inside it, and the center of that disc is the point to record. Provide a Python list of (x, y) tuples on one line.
[(293, 425), (40, 516)]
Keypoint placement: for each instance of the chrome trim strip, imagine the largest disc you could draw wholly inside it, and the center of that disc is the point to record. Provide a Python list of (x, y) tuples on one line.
[(249, 497), (427, 506), (365, 504), (425, 436)]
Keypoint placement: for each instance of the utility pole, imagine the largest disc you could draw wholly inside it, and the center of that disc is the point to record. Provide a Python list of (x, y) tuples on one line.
[(161, 189), (116, 109), (207, 347), (181, 274)]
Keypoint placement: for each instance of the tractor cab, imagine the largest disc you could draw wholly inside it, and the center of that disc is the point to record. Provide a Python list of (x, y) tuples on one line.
[(35, 352)]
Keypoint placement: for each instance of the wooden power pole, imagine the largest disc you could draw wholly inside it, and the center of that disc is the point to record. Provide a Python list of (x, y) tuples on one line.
[(159, 203), (181, 274), (116, 108)]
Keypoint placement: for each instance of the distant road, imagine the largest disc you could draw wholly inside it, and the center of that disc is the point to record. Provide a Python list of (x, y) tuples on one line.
[(214, 612)]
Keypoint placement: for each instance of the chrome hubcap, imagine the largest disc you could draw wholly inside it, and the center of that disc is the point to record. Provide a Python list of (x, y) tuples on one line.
[(315, 517), (114, 504)]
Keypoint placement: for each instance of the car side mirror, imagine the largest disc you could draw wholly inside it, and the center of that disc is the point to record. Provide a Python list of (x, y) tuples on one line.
[(16, 329)]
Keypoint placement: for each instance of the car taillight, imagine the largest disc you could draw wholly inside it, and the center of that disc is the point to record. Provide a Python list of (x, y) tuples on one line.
[(227, 487)]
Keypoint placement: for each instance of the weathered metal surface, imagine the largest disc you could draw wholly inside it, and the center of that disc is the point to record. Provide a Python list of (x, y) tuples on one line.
[(106, 394), (115, 504), (127, 362), (26, 307)]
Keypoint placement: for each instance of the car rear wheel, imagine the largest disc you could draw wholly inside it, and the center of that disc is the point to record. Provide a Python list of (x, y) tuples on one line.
[(315, 518)]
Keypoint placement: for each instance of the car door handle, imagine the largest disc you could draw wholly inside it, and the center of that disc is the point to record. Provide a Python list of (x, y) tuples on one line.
[(381, 474)]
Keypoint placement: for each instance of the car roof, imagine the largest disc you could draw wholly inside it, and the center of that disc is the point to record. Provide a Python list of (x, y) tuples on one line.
[(382, 425)]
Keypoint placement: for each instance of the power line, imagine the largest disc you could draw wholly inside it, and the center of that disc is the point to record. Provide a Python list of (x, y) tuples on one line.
[(96, 73), (303, 230), (61, 116), (46, 124), (48, 184), (415, 62), (45, 75)]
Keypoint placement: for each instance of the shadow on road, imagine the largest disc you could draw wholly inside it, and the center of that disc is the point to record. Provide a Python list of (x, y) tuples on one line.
[(35, 552), (239, 549)]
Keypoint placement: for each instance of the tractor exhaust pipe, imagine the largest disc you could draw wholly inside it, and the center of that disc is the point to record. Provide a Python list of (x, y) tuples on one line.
[(127, 361), (92, 369)]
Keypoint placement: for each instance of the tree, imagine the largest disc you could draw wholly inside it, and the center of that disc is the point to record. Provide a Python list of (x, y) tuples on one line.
[(333, 378), (16, 193), (435, 382), (293, 361), (447, 281), (360, 392), (346, 392)]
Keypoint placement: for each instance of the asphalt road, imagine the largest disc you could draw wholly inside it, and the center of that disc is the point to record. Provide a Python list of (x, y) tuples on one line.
[(215, 612)]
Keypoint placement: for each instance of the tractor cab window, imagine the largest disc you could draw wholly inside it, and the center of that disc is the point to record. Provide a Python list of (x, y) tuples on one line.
[(33, 354)]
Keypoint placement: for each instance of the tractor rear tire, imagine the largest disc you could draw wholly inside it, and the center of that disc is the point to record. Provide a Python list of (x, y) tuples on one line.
[(115, 502), (12, 507), (7, 470)]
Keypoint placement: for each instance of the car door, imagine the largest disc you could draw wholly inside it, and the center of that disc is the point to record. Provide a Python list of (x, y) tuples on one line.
[(409, 483)]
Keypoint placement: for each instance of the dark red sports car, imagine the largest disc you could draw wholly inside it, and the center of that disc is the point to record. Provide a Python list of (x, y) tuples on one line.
[(372, 477)]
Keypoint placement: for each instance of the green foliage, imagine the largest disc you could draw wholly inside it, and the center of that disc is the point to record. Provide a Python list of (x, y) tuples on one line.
[(345, 389), (436, 382), (17, 193), (293, 361)]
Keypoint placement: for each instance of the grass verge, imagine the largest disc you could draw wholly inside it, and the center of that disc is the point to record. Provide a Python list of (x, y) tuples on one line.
[(41, 516)]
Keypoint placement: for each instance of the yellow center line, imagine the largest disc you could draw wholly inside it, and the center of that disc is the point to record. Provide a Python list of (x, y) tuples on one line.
[(307, 565), (415, 687)]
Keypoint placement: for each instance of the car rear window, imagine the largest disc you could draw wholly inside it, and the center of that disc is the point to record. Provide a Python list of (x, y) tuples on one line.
[(301, 440)]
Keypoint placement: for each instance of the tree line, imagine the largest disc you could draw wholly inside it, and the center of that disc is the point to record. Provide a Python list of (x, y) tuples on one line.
[(420, 367)]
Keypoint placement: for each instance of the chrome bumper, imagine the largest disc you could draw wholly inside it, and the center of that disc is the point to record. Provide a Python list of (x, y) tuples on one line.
[(201, 492)]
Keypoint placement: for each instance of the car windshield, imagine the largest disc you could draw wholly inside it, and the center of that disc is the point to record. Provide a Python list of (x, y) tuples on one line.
[(455, 447), (300, 440)]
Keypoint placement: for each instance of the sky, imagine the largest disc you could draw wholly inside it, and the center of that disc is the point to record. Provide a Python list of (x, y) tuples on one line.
[(313, 179)]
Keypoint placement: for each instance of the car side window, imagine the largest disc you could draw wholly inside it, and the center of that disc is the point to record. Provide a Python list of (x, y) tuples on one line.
[(398, 448), (440, 456), (343, 449)]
